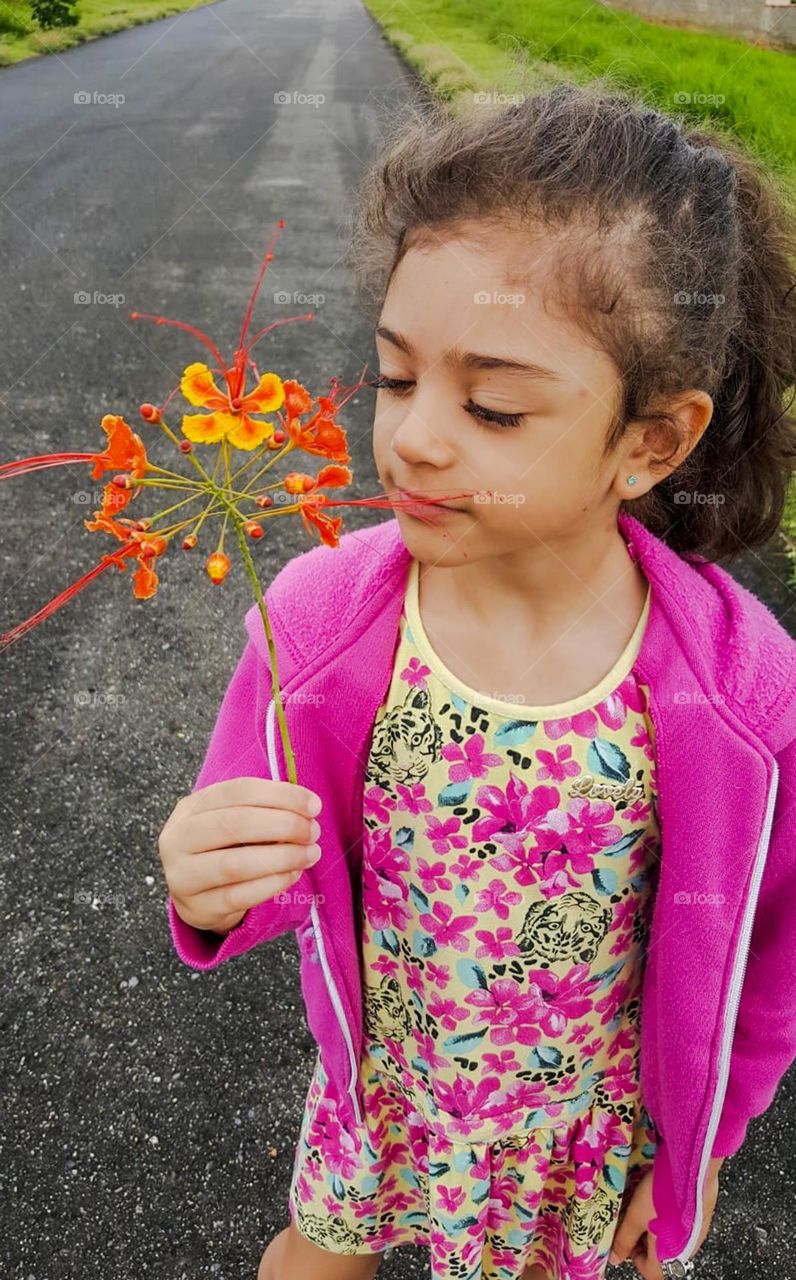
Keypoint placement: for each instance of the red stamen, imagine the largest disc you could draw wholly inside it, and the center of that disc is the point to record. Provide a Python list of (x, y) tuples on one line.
[(115, 557), (41, 461), (267, 256), (189, 328)]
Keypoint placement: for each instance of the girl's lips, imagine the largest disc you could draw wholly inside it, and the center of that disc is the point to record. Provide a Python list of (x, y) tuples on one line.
[(427, 510)]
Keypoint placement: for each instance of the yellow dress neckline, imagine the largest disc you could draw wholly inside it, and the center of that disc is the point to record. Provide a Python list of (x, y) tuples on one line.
[(517, 710)]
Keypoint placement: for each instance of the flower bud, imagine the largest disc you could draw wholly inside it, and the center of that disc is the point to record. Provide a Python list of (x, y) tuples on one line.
[(218, 565), (189, 542), (186, 446), (150, 413), (265, 500), (278, 437), (122, 482), (253, 529)]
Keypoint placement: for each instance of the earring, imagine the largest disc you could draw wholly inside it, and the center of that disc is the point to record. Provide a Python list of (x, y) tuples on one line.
[(631, 479)]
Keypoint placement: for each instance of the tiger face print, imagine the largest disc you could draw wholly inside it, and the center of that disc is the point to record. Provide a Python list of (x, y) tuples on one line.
[(567, 928), (407, 740), (586, 1221), (386, 1015)]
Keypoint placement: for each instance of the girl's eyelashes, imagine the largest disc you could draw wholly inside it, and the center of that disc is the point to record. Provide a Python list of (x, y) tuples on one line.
[(398, 385)]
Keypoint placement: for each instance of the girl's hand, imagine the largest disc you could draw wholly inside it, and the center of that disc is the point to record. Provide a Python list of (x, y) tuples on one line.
[(632, 1239), (231, 845)]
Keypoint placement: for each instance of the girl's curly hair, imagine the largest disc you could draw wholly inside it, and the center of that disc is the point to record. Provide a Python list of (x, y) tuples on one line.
[(676, 254)]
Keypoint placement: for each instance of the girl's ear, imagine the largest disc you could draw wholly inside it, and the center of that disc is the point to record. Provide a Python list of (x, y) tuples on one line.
[(665, 436)]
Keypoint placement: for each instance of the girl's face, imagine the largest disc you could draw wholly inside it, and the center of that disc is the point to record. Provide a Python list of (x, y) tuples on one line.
[(494, 396)]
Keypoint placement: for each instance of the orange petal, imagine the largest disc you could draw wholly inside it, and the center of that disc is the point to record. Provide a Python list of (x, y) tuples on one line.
[(145, 580), (267, 396), (125, 451), (198, 386), (297, 398), (332, 477)]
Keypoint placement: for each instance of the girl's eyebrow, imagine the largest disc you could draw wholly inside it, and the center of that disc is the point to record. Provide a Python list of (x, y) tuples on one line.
[(472, 359)]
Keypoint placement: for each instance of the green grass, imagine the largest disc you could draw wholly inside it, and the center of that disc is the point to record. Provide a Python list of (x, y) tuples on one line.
[(21, 37), (459, 47)]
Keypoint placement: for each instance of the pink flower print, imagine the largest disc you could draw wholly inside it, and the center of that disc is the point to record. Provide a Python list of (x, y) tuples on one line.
[(413, 799), (414, 979), (445, 928), (498, 944), (514, 813), (623, 1040), (385, 964), (416, 673), (377, 803), (584, 723), (561, 998), (470, 759), (632, 694), (624, 912), (618, 993), (447, 1012), (450, 1198), (338, 1146), (637, 812), (557, 765), (511, 1012), (497, 898), (442, 835), (620, 1082), (641, 738), (432, 875), (504, 1063), (465, 1096), (613, 709), (439, 974), (384, 892), (331, 1205), (466, 867), (591, 826), (426, 1048)]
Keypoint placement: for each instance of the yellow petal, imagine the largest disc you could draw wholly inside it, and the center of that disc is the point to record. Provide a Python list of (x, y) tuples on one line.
[(207, 428), (268, 395), (199, 388), (248, 432)]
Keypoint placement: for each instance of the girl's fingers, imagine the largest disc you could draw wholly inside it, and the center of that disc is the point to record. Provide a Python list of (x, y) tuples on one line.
[(220, 868), (242, 824), (231, 899)]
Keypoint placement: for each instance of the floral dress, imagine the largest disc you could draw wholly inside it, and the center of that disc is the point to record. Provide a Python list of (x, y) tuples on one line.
[(509, 865)]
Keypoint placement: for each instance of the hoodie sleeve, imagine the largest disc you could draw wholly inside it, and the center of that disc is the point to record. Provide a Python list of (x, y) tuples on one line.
[(764, 1043), (237, 749)]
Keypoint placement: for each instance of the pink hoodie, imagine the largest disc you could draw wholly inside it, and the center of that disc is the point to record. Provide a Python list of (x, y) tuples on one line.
[(718, 1018)]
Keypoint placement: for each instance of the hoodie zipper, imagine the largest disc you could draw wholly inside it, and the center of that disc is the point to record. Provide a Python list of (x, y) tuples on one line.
[(331, 988), (674, 1267)]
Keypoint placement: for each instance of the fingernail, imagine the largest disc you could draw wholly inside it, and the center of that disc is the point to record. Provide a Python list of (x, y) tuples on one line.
[(315, 829), (614, 1258), (313, 853), (314, 805)]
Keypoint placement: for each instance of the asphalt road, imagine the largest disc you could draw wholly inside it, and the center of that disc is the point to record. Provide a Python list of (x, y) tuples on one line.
[(149, 1112)]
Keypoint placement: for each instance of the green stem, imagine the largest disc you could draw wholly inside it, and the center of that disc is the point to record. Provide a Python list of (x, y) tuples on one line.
[(277, 696)]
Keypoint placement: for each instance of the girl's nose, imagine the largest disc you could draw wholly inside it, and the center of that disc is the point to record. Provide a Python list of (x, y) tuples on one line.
[(417, 439)]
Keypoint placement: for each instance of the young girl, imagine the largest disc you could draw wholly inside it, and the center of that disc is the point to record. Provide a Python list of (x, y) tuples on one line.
[(545, 916)]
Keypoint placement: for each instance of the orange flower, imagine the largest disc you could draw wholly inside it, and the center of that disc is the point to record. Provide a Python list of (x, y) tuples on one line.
[(305, 487), (142, 547), (230, 417), (125, 452), (321, 434)]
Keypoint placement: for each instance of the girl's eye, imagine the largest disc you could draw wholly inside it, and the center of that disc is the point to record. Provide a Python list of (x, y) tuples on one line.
[(475, 410)]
